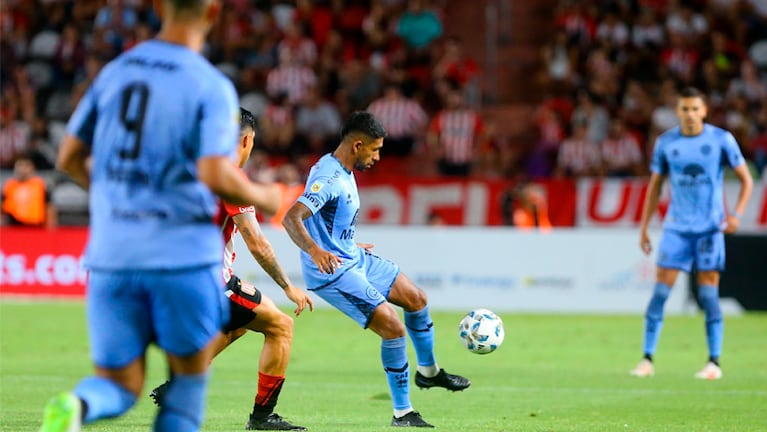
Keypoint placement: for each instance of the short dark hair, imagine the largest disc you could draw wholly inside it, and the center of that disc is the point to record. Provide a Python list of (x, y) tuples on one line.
[(691, 92), (247, 120), (365, 123), (187, 6)]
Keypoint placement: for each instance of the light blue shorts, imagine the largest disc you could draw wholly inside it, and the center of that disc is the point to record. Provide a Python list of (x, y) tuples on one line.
[(361, 288), (180, 310), (680, 250)]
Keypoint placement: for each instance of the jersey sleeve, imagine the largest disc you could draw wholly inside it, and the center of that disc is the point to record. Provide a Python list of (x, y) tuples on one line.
[(659, 164), (234, 210), (82, 124), (731, 151), (318, 191), (219, 120)]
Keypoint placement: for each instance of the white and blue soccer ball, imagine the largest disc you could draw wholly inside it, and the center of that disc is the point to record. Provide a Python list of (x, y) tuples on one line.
[(481, 331)]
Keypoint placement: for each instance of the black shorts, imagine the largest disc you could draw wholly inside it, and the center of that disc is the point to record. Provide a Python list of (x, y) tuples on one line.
[(243, 297)]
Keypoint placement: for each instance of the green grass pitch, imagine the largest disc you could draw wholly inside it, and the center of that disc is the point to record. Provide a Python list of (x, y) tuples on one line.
[(553, 373)]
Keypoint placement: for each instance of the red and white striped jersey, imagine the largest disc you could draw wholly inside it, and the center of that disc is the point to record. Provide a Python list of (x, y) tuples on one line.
[(457, 130), (294, 80), (580, 157), (400, 117), (621, 153), (228, 229)]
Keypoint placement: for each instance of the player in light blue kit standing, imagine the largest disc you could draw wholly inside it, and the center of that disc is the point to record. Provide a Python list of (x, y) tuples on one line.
[(161, 125), (693, 156), (355, 281)]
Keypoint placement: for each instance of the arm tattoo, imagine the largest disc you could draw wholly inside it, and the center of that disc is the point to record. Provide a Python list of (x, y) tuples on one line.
[(261, 249)]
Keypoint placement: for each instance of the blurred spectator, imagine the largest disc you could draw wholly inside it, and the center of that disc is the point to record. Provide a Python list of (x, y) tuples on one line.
[(358, 86), (686, 22), (578, 155), (748, 84), (725, 54), (604, 79), (317, 18), (292, 77), (664, 115), (69, 58), (455, 68), (419, 27), (550, 134), (559, 61), (300, 48), (403, 119), (454, 136), (26, 200), (317, 124), (376, 27), (577, 22), (612, 32), (278, 125), (435, 219), (524, 207), (636, 107), (647, 33), (42, 149), (621, 152), (679, 59), (14, 137), (590, 111)]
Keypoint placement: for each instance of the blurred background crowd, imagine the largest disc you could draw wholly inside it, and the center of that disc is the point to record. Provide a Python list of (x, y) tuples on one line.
[(604, 85)]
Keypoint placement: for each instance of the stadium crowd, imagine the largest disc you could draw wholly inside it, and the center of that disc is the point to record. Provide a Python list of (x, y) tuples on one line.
[(609, 76), (612, 70)]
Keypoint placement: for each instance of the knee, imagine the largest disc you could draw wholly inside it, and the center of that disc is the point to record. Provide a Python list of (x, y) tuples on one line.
[(386, 323), (417, 301), (282, 327), (393, 329)]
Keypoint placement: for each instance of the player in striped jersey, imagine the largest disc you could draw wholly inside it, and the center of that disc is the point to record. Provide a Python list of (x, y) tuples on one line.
[(250, 308)]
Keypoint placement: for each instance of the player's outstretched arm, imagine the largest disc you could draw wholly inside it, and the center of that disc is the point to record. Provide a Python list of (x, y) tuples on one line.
[(263, 252), (294, 225), (650, 205), (226, 181), (72, 160), (746, 188)]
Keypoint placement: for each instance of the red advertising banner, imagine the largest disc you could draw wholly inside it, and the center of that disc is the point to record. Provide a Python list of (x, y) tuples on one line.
[(40, 262), (408, 201), (618, 203)]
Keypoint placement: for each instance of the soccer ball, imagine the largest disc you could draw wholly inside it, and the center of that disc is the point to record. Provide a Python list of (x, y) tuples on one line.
[(481, 331)]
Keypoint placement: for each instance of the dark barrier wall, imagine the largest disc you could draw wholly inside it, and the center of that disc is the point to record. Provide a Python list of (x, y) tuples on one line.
[(745, 277)]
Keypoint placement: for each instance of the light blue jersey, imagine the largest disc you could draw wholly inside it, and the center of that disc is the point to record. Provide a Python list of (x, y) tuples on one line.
[(331, 194), (149, 115), (695, 168)]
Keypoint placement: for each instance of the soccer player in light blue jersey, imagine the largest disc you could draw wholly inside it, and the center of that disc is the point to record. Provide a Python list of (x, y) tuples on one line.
[(357, 282), (161, 125), (692, 156)]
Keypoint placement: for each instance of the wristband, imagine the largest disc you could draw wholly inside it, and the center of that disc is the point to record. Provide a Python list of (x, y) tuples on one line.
[(737, 215)]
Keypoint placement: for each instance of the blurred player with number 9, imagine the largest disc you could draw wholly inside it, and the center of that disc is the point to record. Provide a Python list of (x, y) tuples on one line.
[(160, 123)]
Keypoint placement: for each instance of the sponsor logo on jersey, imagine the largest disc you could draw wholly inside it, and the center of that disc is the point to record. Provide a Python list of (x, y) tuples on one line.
[(316, 186), (312, 199), (693, 175)]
